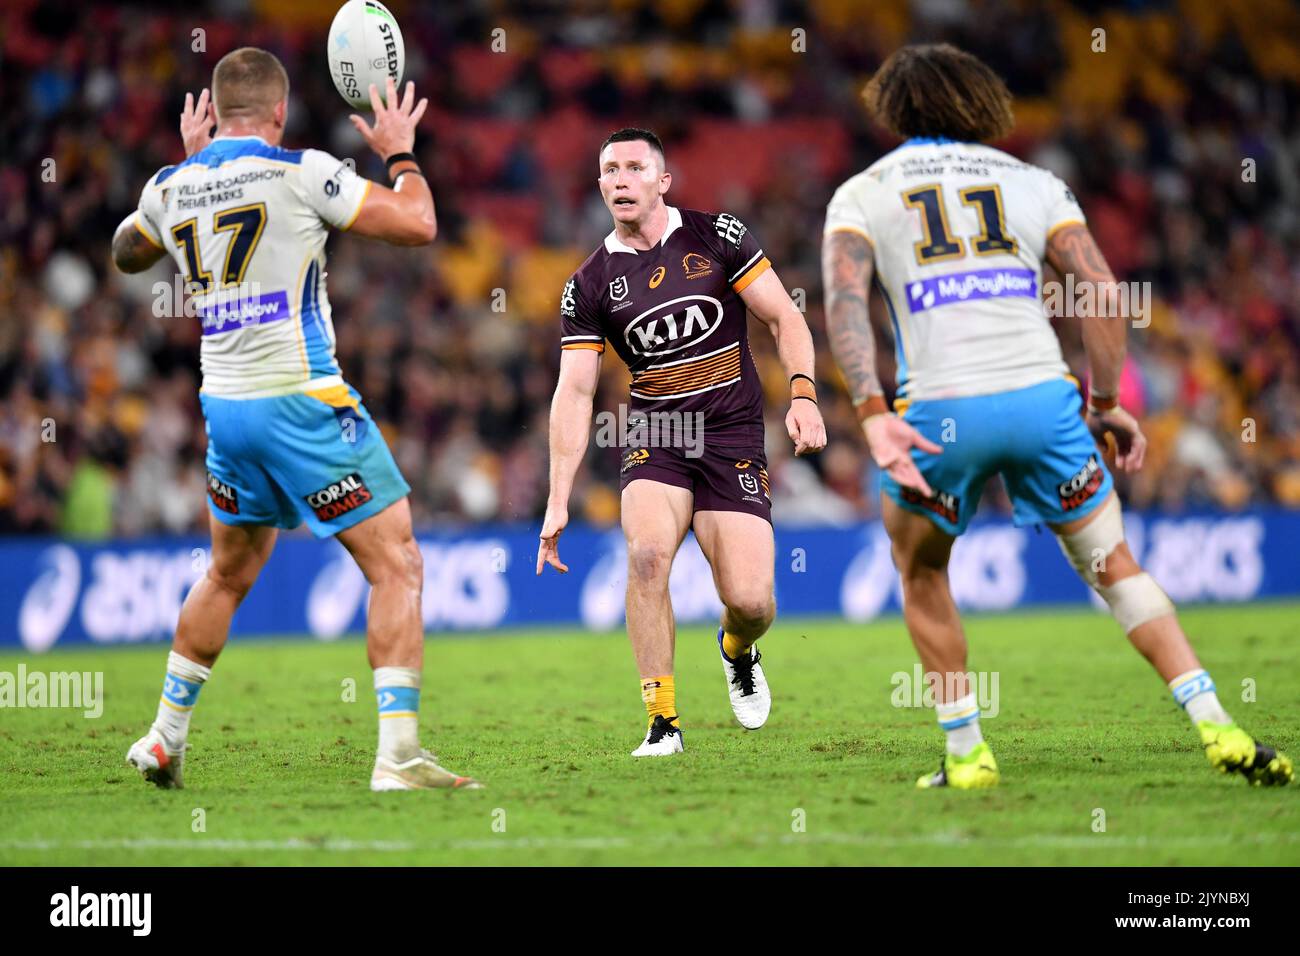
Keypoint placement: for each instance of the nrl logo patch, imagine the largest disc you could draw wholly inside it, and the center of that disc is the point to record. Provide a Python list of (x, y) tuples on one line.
[(618, 289)]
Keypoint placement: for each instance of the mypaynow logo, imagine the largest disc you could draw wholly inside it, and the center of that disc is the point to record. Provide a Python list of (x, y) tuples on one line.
[(237, 312), (968, 286)]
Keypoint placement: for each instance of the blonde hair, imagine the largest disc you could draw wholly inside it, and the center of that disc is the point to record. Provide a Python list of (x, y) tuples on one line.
[(248, 83)]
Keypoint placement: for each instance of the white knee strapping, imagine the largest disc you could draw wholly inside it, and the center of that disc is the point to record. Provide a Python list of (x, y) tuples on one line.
[(1089, 546), (1133, 600), (1136, 600)]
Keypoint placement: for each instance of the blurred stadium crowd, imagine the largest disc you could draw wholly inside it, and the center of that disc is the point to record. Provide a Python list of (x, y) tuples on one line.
[(1181, 140)]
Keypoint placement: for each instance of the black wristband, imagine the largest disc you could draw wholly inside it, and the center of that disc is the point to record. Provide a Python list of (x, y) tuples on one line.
[(399, 158), (800, 375), (807, 398)]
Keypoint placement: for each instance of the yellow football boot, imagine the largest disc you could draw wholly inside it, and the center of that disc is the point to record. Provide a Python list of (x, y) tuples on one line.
[(976, 769), (1231, 750)]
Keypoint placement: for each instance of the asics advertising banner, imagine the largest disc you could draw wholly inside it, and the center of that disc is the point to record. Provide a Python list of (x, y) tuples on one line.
[(129, 591)]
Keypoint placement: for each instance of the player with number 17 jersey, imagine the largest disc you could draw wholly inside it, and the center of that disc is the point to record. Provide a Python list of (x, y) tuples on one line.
[(288, 439)]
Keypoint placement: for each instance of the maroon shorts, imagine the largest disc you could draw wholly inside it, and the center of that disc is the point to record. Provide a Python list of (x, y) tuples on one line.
[(722, 478)]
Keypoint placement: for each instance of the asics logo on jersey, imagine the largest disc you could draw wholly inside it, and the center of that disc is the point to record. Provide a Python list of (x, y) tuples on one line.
[(664, 329), (968, 286), (340, 497)]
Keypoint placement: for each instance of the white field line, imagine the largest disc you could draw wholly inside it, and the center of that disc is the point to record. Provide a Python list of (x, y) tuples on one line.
[(954, 840)]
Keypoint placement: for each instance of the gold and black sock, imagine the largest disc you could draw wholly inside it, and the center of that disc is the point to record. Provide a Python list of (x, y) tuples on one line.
[(732, 646), (660, 697)]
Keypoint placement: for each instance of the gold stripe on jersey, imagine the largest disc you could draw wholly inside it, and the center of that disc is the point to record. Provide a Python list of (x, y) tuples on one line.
[(741, 284), (335, 396), (365, 191), (854, 230), (302, 333), (689, 376), (1063, 224), (145, 232)]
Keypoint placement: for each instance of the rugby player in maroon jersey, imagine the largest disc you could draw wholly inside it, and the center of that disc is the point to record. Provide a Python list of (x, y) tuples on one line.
[(669, 289)]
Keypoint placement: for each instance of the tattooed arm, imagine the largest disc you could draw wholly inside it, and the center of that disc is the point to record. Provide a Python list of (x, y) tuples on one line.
[(133, 251), (1073, 251), (846, 279), (847, 265)]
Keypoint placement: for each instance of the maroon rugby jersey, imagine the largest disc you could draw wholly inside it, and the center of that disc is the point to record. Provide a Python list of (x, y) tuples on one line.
[(674, 314)]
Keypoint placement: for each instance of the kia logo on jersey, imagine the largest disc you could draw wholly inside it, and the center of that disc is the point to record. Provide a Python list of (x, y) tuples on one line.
[(673, 325)]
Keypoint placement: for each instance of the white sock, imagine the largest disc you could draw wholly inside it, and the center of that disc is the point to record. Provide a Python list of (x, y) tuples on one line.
[(397, 691), (1194, 692), (960, 721), (180, 692)]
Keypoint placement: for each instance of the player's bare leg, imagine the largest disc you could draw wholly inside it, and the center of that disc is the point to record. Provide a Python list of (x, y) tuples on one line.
[(384, 547), (238, 554), (656, 517), (921, 550), (741, 551), (1095, 546)]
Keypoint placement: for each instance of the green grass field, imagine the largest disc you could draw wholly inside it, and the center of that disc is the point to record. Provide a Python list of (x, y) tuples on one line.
[(279, 761)]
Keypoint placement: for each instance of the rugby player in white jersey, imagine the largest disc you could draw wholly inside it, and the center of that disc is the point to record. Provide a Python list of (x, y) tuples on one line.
[(288, 440), (955, 234)]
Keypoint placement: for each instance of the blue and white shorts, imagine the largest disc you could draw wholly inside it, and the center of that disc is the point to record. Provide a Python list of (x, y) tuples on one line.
[(312, 456), (1035, 438)]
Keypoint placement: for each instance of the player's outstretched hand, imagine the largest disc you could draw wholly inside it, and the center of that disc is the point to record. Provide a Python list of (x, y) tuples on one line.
[(548, 551), (804, 424), (395, 122), (891, 440), (1130, 443), (197, 121)]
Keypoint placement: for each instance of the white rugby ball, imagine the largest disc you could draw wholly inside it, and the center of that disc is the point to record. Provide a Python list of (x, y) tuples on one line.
[(365, 46)]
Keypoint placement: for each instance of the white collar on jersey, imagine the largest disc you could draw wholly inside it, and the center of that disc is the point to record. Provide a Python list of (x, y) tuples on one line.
[(614, 244)]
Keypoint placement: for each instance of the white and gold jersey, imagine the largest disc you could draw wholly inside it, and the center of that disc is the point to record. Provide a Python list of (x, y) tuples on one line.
[(246, 223), (959, 232)]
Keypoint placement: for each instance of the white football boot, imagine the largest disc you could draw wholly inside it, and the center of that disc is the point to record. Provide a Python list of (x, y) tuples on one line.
[(751, 700), (160, 766), (661, 739), (421, 772)]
